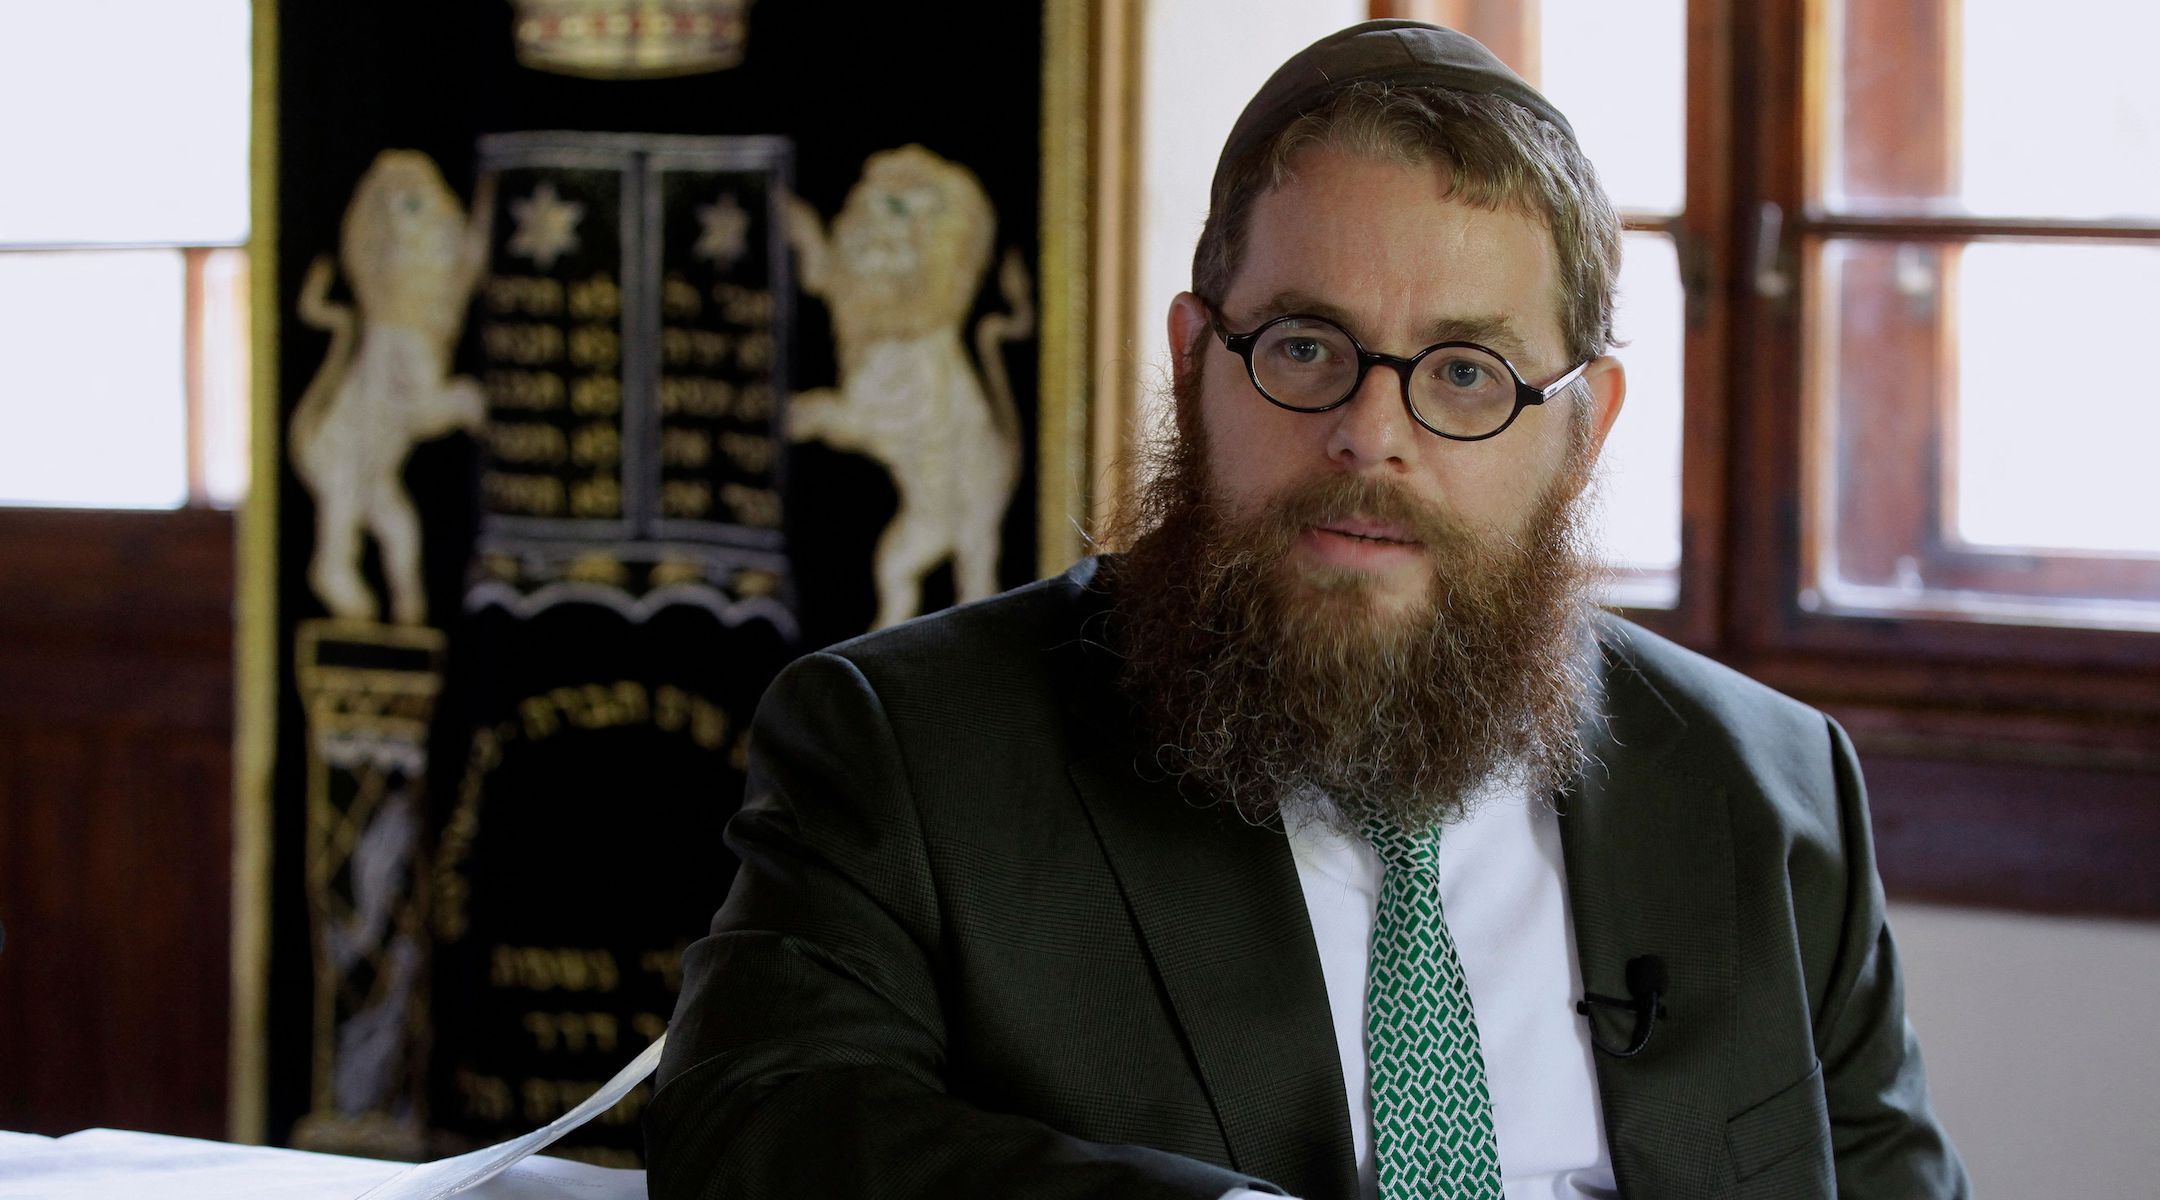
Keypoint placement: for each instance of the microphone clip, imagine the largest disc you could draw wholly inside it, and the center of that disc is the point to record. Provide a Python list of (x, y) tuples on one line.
[(1646, 988)]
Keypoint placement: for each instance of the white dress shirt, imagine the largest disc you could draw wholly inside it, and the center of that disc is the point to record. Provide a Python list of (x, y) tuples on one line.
[(1504, 889)]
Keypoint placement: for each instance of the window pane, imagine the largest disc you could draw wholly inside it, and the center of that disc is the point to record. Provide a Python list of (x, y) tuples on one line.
[(127, 121), (1980, 439), (2091, 105), (1992, 107), (91, 379), (1619, 72), (1193, 96), (2067, 463), (1640, 530)]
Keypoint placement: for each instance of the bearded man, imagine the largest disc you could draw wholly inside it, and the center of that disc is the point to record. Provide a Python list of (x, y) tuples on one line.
[(1326, 841)]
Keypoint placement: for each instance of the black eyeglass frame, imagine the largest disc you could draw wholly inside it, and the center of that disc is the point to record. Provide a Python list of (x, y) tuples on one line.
[(1526, 393)]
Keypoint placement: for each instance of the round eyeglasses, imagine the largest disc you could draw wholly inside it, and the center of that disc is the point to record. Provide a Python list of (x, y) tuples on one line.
[(1459, 390)]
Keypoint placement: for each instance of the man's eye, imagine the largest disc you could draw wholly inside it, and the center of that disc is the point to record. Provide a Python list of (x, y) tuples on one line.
[(1303, 351), (1463, 373)]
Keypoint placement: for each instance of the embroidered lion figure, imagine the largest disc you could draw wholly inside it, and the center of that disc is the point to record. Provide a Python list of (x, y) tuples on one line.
[(899, 272), (412, 260)]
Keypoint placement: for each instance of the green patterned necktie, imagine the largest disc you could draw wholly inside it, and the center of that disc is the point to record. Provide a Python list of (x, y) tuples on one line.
[(1432, 1112)]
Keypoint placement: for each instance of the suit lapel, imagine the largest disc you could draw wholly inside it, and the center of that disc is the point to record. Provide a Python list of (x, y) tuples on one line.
[(1650, 872), (1218, 906)]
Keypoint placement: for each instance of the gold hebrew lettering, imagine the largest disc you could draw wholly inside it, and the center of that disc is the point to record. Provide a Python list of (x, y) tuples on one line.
[(528, 391), (526, 442), (708, 723), (671, 707), (696, 396), (686, 498), (595, 299), (744, 306), (531, 495), (573, 1032), (648, 1026), (755, 402), (679, 299), (694, 347), (667, 964), (528, 294), (549, 968), (599, 496), (754, 351), (749, 451), (758, 507), (521, 342), (595, 346), (685, 448), (596, 395), (596, 443), (540, 718)]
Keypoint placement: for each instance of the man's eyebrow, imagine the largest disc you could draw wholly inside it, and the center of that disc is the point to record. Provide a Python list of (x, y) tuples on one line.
[(1284, 303), (1496, 332)]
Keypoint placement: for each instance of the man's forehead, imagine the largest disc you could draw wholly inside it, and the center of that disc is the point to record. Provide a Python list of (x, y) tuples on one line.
[(1498, 331), (1388, 250)]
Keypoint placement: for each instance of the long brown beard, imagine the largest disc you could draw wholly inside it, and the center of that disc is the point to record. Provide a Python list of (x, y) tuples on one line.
[(1268, 689)]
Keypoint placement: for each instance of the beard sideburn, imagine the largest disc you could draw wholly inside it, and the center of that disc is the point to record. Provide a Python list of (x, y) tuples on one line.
[(1273, 689)]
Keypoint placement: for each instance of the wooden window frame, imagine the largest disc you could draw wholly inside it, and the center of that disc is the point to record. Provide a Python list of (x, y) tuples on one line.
[(2020, 764), (1786, 435), (2013, 766)]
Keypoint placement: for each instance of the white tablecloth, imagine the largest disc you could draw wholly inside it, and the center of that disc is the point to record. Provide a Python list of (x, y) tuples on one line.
[(115, 1164)]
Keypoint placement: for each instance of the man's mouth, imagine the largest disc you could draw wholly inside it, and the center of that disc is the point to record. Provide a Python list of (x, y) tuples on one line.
[(1377, 532)]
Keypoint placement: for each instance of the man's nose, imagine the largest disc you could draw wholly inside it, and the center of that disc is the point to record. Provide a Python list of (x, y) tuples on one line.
[(1373, 427)]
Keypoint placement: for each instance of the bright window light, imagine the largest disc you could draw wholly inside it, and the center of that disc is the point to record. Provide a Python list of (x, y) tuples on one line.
[(2056, 422), (1640, 525), (127, 121), (92, 394)]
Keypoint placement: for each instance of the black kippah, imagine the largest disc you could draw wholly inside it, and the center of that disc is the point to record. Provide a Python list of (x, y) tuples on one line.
[(1387, 51)]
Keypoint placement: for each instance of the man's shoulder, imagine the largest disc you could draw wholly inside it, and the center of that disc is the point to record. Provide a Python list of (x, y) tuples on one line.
[(1012, 628), (1027, 659), (1731, 725), (1013, 679), (1686, 677)]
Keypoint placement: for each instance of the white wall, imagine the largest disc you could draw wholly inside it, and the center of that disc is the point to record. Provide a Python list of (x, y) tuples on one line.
[(1205, 59), (2041, 1046)]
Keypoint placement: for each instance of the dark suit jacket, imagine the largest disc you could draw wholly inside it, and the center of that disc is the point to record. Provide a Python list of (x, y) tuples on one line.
[(976, 949)]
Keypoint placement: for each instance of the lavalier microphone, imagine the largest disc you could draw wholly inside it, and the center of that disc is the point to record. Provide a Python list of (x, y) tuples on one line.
[(1646, 988)]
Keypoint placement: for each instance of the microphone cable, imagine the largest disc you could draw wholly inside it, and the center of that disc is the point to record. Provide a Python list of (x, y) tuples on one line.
[(1646, 988)]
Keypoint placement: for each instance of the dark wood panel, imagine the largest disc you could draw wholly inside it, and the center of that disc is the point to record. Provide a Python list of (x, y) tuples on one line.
[(2050, 838), (113, 983), (119, 581), (115, 819), (42, 684)]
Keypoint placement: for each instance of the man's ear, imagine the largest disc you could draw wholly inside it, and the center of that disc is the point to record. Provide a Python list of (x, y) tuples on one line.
[(1607, 381), (1188, 325)]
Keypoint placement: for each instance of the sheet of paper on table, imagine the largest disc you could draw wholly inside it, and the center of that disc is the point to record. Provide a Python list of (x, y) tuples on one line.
[(450, 1176), (102, 1164), (120, 1164)]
